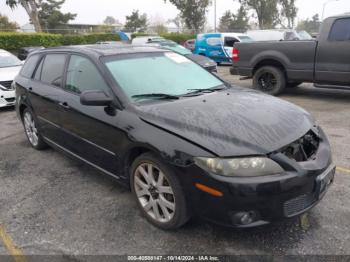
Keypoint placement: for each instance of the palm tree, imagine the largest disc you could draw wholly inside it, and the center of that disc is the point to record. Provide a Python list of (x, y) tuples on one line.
[(31, 7)]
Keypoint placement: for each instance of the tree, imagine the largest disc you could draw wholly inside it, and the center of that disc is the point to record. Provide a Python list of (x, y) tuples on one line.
[(193, 12), (230, 22), (311, 26), (240, 20), (289, 11), (6, 25), (179, 23), (50, 15), (225, 22), (31, 7), (266, 11), (110, 20), (136, 22)]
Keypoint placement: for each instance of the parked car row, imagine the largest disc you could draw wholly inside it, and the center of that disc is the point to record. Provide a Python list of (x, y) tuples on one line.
[(182, 140), (203, 61)]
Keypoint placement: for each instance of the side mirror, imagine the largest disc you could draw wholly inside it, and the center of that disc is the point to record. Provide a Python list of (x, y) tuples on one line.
[(95, 98)]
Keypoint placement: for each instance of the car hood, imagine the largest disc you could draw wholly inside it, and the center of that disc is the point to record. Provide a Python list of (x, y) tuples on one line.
[(201, 60), (231, 123), (9, 73)]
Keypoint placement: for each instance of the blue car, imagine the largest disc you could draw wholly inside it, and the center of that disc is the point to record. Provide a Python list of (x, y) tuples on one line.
[(219, 46)]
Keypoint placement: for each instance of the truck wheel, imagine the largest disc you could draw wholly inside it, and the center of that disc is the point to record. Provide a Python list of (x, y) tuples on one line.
[(294, 84), (270, 80)]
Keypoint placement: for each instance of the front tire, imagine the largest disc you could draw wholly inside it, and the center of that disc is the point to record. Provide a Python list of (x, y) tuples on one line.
[(270, 80), (158, 192), (31, 130)]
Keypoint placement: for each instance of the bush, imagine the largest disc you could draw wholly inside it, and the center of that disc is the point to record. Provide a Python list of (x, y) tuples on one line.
[(179, 38), (15, 41)]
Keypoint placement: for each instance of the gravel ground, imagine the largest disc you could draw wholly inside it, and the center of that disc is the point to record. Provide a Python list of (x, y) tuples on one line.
[(50, 204)]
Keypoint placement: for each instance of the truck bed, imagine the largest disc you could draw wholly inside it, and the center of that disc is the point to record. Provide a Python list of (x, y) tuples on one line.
[(298, 57)]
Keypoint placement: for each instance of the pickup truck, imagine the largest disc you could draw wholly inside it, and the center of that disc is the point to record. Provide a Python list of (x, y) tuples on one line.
[(280, 64)]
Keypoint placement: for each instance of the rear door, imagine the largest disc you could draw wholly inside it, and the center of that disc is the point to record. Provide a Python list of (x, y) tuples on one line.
[(90, 131), (215, 48), (333, 55), (44, 92)]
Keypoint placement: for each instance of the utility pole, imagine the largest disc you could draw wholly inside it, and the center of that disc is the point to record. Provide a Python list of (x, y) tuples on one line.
[(214, 15)]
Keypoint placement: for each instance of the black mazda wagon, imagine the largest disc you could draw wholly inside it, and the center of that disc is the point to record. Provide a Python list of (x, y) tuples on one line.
[(185, 142)]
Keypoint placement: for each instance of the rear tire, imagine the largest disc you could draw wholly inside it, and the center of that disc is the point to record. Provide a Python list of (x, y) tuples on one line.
[(31, 130), (158, 192), (270, 80)]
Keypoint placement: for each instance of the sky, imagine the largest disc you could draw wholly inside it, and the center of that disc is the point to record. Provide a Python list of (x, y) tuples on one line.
[(95, 11)]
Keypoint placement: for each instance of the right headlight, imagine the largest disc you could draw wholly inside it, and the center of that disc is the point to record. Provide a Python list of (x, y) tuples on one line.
[(240, 167)]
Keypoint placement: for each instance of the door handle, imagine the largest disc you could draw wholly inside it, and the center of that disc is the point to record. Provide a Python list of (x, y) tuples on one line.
[(64, 105)]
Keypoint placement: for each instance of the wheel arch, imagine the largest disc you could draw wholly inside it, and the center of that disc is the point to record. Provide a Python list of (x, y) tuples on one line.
[(270, 62), (132, 154), (21, 109)]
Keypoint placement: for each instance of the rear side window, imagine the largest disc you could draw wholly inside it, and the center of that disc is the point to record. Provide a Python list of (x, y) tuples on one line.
[(29, 66), (52, 71), (230, 41), (82, 75), (340, 30), (214, 41)]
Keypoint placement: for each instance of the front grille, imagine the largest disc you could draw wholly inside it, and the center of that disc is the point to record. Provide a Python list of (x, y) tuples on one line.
[(303, 149), (10, 100), (6, 84), (297, 205)]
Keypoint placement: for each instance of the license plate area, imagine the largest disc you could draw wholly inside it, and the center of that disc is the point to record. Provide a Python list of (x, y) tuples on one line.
[(324, 181)]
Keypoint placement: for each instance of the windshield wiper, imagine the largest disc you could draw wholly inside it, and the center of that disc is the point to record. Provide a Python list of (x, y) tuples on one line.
[(206, 90), (157, 96)]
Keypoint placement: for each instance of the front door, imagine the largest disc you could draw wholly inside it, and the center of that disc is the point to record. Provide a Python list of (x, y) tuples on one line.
[(333, 55), (91, 132)]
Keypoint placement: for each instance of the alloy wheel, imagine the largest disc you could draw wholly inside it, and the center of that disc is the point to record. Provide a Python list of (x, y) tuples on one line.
[(30, 128), (267, 81), (154, 192)]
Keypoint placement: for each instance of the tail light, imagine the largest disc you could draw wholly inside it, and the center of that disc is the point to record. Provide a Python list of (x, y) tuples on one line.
[(235, 55)]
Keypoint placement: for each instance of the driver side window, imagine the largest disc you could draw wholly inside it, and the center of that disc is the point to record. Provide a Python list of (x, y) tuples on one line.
[(82, 75)]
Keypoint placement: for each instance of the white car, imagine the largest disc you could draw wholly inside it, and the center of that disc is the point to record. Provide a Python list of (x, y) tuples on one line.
[(278, 35), (9, 68)]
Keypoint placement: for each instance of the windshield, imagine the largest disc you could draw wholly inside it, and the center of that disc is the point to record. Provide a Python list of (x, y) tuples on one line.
[(159, 73), (8, 60)]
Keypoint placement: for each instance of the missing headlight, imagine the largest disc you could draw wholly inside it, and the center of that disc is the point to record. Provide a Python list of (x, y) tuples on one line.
[(304, 149)]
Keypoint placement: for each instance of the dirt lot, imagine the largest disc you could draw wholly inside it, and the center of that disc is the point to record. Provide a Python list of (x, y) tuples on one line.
[(50, 204)]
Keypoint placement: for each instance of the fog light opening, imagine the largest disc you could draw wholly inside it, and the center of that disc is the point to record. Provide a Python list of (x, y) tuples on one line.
[(245, 218)]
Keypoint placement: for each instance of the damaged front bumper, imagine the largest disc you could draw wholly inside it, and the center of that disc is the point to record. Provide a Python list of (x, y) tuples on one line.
[(255, 201)]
